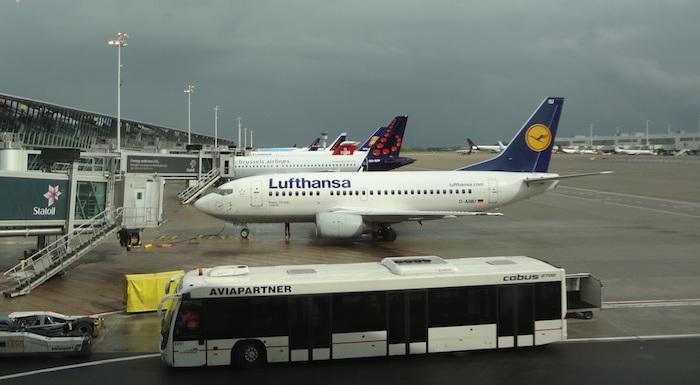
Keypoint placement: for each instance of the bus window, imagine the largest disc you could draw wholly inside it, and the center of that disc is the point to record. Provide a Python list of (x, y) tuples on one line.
[(548, 301), (358, 312), (189, 321)]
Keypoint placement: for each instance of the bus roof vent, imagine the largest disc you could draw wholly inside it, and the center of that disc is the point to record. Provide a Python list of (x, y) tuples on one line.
[(498, 262), (228, 271), (428, 264)]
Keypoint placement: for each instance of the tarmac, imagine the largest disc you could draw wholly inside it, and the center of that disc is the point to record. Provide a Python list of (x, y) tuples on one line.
[(636, 230)]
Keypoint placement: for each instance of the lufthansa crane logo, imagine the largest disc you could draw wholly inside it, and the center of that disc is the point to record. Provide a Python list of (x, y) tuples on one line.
[(538, 137)]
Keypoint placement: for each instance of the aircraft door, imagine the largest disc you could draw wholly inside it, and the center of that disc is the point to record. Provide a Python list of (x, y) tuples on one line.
[(256, 194), (139, 205), (516, 319), (493, 191)]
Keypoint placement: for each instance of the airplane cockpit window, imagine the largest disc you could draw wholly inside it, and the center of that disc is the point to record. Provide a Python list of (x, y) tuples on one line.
[(224, 191)]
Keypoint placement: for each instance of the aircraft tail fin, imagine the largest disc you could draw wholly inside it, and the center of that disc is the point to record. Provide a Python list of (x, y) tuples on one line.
[(340, 139), (472, 145), (315, 143), (386, 141), (345, 148), (531, 148)]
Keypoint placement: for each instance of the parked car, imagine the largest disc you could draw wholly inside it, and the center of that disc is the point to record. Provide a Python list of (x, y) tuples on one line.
[(17, 342), (52, 324)]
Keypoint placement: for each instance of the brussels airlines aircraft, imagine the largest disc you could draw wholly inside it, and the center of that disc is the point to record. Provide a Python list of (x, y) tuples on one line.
[(379, 152), (346, 205), (312, 149)]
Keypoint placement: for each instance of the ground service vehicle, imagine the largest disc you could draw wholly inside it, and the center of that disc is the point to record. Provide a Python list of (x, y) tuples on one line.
[(399, 306), (53, 324), (18, 343)]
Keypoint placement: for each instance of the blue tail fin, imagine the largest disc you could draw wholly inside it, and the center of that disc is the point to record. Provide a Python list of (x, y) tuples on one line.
[(384, 147), (387, 140), (531, 148)]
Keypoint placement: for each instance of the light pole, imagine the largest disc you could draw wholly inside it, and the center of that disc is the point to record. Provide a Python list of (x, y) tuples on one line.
[(647, 139), (189, 91), (216, 127), (119, 43), (238, 144)]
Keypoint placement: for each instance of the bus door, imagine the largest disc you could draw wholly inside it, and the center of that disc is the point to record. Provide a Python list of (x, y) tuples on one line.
[(407, 326), (256, 194), (516, 319), (310, 328), (189, 348)]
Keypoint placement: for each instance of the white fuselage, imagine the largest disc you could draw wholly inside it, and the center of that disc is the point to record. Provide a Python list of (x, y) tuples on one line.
[(245, 166), (407, 194)]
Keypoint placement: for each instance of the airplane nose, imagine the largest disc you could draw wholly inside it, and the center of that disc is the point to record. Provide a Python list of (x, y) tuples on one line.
[(201, 204)]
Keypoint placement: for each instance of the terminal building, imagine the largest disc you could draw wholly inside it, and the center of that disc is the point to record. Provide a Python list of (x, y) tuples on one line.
[(41, 125), (670, 143), (65, 182)]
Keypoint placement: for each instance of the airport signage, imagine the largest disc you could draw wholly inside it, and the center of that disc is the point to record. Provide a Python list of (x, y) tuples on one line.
[(166, 164), (33, 199)]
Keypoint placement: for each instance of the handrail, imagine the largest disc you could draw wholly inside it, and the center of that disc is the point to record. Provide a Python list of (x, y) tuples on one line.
[(55, 253), (206, 178)]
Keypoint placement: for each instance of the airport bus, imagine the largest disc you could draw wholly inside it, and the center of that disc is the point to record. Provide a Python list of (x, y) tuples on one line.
[(248, 316)]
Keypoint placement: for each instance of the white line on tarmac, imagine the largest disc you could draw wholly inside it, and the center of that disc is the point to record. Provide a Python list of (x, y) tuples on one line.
[(650, 303), (75, 366)]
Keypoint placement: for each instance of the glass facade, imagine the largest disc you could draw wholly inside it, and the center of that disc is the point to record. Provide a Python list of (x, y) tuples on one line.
[(38, 124)]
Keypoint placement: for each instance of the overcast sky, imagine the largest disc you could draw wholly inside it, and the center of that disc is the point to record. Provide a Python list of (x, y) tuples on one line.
[(293, 69)]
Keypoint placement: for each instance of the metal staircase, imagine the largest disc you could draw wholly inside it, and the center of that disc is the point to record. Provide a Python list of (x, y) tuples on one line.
[(206, 181), (58, 256)]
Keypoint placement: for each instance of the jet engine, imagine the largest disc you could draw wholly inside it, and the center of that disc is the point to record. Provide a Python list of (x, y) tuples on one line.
[(338, 225)]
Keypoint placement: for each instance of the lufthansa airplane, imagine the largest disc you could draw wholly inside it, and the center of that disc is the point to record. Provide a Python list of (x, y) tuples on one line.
[(347, 205), (380, 152)]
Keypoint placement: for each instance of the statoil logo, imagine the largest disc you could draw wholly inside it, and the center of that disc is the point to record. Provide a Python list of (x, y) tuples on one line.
[(51, 197)]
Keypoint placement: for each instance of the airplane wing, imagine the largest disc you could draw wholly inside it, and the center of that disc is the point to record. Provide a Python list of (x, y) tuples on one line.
[(397, 216)]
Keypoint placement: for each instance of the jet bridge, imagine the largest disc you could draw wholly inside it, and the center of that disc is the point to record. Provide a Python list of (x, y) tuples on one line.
[(82, 208)]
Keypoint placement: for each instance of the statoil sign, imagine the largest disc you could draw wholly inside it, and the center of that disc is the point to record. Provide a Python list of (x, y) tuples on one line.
[(33, 199)]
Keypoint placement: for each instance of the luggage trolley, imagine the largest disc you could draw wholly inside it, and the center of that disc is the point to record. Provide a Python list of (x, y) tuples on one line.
[(584, 293)]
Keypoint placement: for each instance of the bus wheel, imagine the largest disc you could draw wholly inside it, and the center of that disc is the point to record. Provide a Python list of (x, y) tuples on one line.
[(249, 354)]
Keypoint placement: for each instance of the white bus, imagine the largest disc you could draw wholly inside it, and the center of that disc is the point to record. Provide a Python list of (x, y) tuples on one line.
[(235, 315)]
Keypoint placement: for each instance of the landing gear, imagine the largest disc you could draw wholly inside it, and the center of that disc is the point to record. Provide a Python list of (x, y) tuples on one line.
[(245, 232), (387, 233)]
